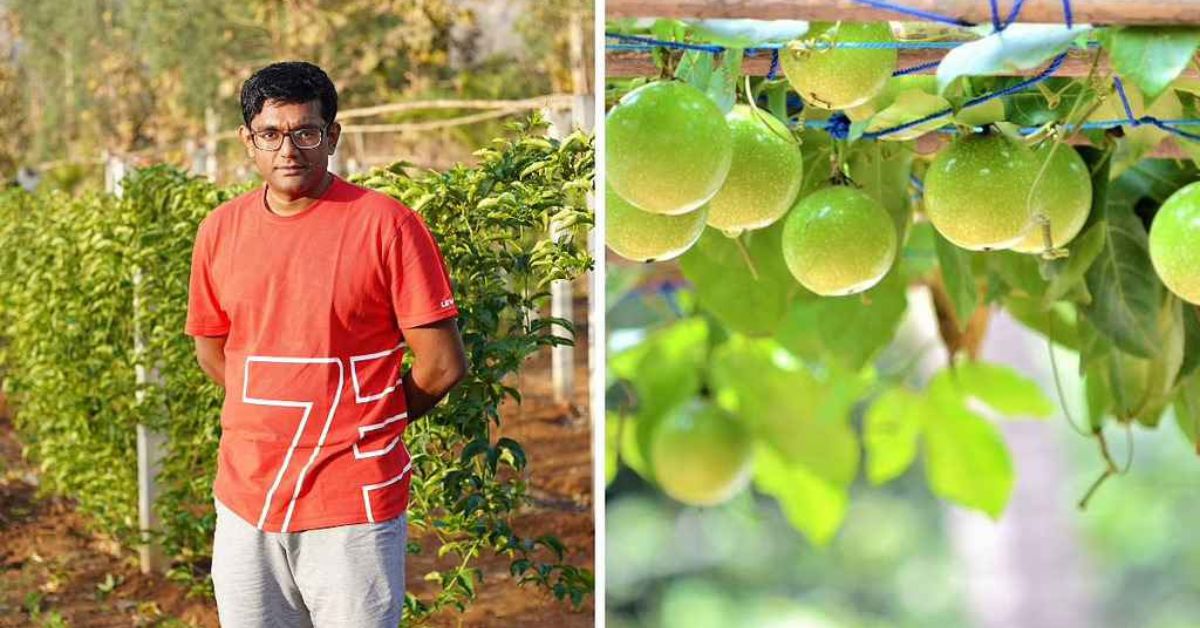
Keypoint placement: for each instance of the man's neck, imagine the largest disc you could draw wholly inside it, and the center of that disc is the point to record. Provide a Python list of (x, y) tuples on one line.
[(290, 207)]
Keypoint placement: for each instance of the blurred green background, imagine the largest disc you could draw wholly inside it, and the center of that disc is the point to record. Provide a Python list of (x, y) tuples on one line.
[(903, 558)]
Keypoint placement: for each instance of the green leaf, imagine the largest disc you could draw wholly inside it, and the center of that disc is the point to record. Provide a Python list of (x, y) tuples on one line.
[(1057, 323), (908, 106), (726, 288), (696, 69), (966, 461), (1069, 273), (665, 371), (1151, 56), (804, 418), (812, 505), (1018, 47), (883, 170), (890, 431), (1191, 339), (1125, 290), (722, 88), (1003, 389), (1187, 410), (849, 331), (1140, 140), (982, 114), (1031, 108), (958, 279)]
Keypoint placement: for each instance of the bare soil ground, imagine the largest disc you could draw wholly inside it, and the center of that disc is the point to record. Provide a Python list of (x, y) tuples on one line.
[(54, 572)]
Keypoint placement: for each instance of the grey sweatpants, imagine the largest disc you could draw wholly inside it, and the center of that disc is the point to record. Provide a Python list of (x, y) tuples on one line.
[(344, 576)]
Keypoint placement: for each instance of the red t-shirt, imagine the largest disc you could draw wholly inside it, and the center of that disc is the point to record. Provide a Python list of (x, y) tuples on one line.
[(314, 305)]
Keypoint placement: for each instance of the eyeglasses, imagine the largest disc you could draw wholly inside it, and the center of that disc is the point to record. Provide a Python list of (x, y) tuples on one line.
[(271, 139)]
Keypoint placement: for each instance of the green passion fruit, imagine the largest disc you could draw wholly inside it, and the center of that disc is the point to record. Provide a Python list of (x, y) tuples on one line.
[(832, 77), (765, 177), (1064, 191), (838, 241), (702, 455), (1175, 243), (977, 191), (669, 147), (645, 237)]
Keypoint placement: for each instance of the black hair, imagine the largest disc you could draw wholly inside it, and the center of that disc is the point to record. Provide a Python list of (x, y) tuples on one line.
[(293, 82)]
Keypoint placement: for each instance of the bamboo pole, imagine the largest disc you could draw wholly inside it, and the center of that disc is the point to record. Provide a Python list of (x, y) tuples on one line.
[(1077, 63), (970, 11)]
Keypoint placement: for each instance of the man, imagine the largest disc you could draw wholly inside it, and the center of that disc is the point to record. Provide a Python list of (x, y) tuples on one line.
[(304, 296)]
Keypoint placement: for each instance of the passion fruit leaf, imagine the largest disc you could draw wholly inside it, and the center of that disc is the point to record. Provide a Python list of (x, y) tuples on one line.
[(1030, 108), (958, 279), (890, 431), (1138, 140), (1058, 323), (1191, 340), (1019, 272), (1125, 291), (612, 446), (1187, 410), (907, 106), (1018, 47), (696, 69), (803, 417), (980, 115), (665, 373), (746, 33), (966, 461), (722, 87), (849, 331), (726, 288), (1151, 56), (1068, 274), (1097, 393), (813, 506), (1003, 389), (882, 171)]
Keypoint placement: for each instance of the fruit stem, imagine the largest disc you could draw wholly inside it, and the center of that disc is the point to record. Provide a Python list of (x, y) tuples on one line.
[(741, 247)]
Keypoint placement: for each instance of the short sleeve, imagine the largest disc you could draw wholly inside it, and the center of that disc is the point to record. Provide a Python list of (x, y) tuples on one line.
[(205, 317), (417, 276)]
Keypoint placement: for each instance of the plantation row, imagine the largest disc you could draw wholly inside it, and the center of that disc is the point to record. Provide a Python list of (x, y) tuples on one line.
[(80, 277)]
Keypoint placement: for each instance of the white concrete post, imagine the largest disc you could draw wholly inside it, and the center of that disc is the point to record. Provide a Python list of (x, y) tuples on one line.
[(151, 445), (211, 129)]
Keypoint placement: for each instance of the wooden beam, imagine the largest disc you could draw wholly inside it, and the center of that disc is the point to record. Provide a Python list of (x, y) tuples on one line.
[(1077, 63), (971, 11)]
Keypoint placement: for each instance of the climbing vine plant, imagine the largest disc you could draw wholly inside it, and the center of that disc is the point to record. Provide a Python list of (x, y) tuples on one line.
[(760, 349)]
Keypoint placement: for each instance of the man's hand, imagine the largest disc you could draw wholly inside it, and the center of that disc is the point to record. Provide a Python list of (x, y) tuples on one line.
[(210, 353), (439, 362)]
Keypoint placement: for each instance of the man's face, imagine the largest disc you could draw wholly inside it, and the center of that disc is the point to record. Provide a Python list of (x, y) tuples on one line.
[(290, 172)]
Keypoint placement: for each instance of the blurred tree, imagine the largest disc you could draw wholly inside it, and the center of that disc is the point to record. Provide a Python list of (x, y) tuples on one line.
[(128, 75)]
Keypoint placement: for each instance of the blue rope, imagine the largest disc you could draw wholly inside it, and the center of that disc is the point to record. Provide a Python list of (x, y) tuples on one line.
[(1166, 125), (932, 17), (997, 26), (774, 69), (1068, 18), (1015, 11), (978, 100), (659, 43), (916, 68)]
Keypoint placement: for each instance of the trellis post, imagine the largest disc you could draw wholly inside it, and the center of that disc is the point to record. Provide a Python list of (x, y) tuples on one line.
[(151, 444)]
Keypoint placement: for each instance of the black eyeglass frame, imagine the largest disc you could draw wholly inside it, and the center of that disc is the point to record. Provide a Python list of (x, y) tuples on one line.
[(254, 137)]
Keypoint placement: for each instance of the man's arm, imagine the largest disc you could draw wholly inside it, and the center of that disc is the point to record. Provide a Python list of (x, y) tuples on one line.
[(210, 353), (439, 362)]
